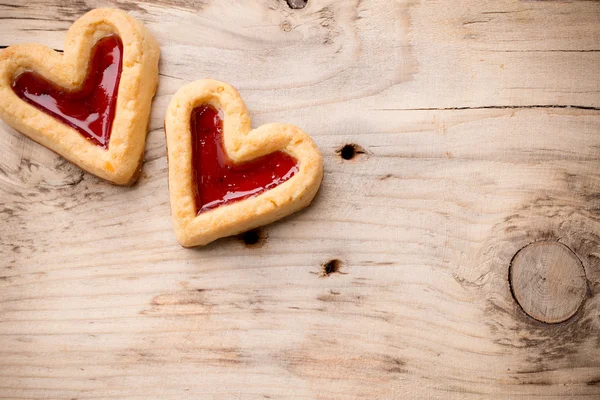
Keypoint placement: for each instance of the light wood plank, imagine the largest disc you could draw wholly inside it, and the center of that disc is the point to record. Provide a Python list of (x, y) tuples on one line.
[(479, 122)]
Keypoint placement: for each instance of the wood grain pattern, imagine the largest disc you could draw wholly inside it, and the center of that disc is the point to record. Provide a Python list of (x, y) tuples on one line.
[(477, 124)]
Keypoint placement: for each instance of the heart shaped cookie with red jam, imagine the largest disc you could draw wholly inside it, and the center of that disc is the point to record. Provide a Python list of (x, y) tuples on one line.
[(90, 104), (226, 178)]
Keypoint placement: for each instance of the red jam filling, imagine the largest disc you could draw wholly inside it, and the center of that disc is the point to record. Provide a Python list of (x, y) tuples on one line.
[(90, 109), (218, 181)]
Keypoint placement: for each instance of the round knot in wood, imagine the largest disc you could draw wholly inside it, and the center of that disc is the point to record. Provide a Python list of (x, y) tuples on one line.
[(548, 281)]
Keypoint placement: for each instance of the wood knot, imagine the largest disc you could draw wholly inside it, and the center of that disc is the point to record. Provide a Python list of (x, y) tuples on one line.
[(548, 281), (286, 26)]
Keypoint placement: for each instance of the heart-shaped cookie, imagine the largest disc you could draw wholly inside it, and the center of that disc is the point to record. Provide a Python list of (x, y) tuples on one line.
[(226, 178), (90, 104)]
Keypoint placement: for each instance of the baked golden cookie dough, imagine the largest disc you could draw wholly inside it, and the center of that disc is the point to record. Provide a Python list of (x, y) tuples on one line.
[(245, 155), (119, 158)]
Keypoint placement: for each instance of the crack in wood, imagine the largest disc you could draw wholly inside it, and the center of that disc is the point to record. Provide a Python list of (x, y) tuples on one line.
[(34, 19), (515, 107), (547, 51), (594, 382), (7, 46)]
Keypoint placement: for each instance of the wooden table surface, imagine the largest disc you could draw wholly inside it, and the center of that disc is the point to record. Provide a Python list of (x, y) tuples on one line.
[(470, 130)]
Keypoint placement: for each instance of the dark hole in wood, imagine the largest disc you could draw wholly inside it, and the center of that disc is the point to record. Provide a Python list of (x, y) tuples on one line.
[(350, 151), (331, 267), (253, 238), (297, 4)]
